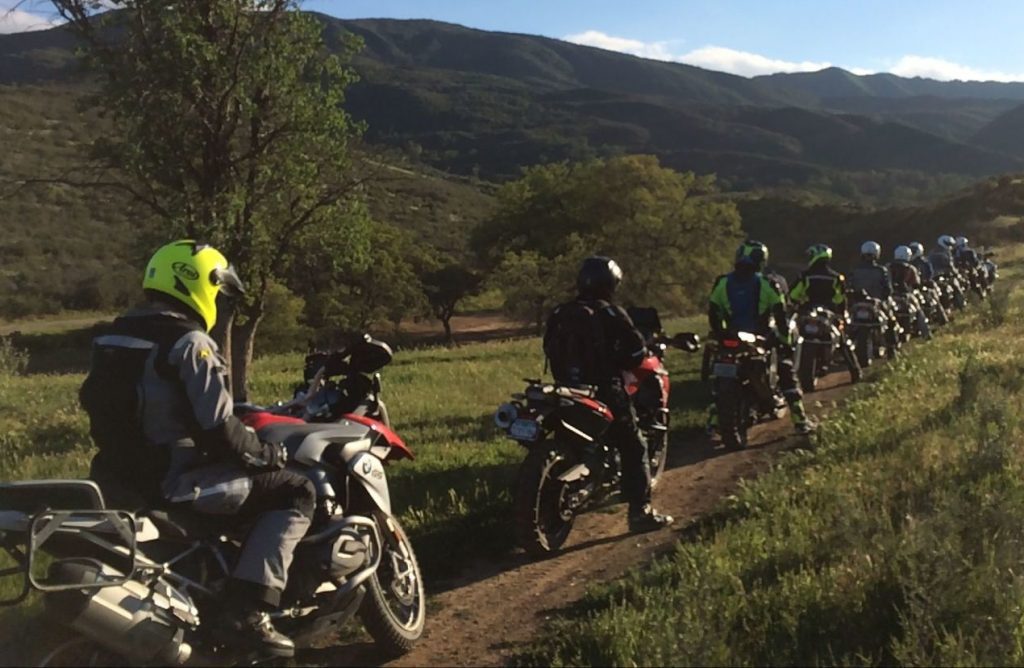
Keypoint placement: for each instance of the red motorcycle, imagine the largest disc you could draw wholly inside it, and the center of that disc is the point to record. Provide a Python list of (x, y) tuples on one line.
[(570, 465)]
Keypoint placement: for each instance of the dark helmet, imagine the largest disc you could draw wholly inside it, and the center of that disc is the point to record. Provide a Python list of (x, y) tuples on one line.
[(598, 277), (817, 253), (752, 254)]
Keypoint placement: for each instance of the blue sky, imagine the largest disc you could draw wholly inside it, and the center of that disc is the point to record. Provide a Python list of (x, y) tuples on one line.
[(944, 39)]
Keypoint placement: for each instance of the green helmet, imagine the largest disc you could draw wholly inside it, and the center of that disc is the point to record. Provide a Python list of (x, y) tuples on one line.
[(818, 252), (752, 253), (192, 274)]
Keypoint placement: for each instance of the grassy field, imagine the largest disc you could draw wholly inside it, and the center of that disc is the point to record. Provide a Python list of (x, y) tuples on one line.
[(454, 498), (897, 540)]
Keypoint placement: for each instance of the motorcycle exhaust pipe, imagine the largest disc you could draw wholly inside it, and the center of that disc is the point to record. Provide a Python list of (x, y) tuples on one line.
[(131, 620)]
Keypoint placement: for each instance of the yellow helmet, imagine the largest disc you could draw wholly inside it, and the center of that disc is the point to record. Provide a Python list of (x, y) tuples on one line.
[(193, 274)]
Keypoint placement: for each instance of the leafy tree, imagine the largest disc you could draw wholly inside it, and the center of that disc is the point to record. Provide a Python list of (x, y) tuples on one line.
[(282, 329), (445, 287), (229, 126), (345, 298), (532, 284), (665, 228)]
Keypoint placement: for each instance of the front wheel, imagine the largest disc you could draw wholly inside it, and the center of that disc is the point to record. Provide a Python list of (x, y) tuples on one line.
[(394, 610), (543, 513)]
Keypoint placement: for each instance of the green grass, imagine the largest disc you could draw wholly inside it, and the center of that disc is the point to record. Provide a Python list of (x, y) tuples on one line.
[(897, 540)]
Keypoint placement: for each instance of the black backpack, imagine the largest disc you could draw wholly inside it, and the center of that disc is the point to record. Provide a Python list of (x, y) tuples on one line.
[(112, 397), (574, 343)]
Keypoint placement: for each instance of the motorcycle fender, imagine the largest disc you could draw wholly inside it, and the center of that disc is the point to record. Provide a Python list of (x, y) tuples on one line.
[(369, 471), (575, 473)]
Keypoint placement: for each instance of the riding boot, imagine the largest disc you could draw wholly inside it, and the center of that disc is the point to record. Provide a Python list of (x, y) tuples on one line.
[(803, 424)]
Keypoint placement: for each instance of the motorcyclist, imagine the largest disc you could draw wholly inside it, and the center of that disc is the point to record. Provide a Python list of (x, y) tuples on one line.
[(964, 256), (161, 413), (968, 262), (821, 285), (941, 257), (873, 278), (745, 300), (619, 347), (943, 264), (906, 281), (920, 262)]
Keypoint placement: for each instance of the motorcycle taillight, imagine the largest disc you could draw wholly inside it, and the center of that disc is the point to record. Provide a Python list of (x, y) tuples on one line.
[(731, 343)]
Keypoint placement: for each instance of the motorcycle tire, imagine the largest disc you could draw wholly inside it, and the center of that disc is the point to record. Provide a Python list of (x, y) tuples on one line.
[(541, 524), (864, 346), (394, 609), (808, 372), (80, 651), (733, 413)]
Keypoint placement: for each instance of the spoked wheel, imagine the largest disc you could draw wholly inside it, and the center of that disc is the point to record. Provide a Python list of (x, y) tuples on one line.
[(394, 610), (80, 651), (544, 511), (733, 413)]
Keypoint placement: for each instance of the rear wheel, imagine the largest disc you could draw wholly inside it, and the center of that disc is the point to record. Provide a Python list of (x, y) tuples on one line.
[(733, 413), (808, 372), (394, 610), (80, 651), (543, 516), (864, 346)]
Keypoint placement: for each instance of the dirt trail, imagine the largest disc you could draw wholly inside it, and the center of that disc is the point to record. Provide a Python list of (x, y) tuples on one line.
[(493, 609)]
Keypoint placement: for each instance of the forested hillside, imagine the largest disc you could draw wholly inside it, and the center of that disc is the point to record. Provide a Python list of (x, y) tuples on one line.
[(450, 112)]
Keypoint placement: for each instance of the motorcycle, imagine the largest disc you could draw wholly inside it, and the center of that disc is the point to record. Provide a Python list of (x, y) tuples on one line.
[(905, 309), (743, 383), (991, 270), (570, 465), (141, 585), (952, 292), (931, 301), (819, 341), (873, 335)]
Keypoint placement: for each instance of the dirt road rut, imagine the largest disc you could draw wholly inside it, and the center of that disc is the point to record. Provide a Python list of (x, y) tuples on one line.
[(489, 613)]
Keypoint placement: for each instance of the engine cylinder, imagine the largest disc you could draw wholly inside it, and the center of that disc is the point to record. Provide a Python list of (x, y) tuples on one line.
[(131, 620)]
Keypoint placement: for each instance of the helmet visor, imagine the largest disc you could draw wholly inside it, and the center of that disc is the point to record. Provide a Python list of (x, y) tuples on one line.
[(228, 281)]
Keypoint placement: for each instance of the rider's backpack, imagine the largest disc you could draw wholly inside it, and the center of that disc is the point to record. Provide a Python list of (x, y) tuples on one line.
[(574, 343), (112, 396)]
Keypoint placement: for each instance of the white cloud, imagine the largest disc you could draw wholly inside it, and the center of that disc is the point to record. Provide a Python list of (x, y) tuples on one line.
[(17, 20), (945, 70), (717, 58), (745, 63), (653, 50)]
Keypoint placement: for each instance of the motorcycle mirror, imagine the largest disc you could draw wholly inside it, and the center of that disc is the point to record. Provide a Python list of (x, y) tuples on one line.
[(687, 341)]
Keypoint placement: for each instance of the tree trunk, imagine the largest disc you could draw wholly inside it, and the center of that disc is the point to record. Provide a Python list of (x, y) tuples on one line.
[(446, 322), (243, 335)]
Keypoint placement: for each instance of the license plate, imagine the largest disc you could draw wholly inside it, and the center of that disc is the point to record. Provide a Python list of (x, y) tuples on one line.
[(720, 370), (811, 328), (524, 430), (864, 314)]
